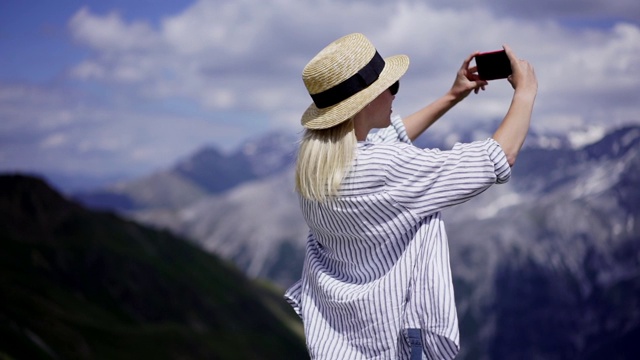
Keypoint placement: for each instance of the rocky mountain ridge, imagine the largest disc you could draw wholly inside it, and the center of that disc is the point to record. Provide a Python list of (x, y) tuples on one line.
[(207, 172)]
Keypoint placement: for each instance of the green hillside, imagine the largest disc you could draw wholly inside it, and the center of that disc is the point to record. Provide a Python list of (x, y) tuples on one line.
[(76, 284)]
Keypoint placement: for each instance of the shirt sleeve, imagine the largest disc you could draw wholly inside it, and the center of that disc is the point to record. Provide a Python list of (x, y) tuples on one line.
[(429, 180), (293, 296), (395, 132)]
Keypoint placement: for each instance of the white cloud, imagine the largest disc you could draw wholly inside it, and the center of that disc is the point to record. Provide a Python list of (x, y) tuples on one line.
[(246, 55), (89, 70), (55, 130), (220, 69), (110, 33), (554, 9), (54, 140), (219, 98)]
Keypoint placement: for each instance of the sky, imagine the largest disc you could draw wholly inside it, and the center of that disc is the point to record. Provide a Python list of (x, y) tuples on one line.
[(117, 89)]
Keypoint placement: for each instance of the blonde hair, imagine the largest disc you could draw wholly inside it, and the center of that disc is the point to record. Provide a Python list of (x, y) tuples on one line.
[(324, 158)]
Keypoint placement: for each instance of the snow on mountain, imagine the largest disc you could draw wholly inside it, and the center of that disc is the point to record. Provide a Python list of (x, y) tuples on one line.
[(586, 136)]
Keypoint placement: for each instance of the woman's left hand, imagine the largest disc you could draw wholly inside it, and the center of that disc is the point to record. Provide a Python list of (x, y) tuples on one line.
[(467, 79)]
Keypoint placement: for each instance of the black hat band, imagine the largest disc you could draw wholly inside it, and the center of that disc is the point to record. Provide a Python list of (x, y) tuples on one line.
[(351, 86)]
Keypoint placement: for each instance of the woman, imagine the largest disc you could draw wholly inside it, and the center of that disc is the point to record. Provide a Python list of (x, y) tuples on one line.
[(376, 282)]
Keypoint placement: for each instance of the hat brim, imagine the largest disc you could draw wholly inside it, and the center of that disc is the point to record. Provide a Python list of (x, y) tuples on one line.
[(315, 118)]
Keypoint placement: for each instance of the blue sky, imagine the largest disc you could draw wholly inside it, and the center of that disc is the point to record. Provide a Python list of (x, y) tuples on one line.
[(117, 89), (32, 29)]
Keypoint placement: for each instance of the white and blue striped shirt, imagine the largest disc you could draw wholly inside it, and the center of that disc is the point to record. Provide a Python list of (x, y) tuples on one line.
[(377, 258)]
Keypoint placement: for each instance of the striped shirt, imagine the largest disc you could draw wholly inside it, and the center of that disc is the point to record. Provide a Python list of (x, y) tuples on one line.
[(377, 257)]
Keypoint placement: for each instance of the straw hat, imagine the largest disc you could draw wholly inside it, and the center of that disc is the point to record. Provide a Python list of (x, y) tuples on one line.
[(344, 77)]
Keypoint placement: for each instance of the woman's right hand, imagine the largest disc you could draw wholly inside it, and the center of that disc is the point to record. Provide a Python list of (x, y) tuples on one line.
[(523, 76)]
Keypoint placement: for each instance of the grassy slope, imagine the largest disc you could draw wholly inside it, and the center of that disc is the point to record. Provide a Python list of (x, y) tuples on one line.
[(82, 285)]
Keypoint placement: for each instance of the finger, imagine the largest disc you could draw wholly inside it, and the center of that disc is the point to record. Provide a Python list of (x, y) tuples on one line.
[(512, 56), (510, 79), (477, 89), (479, 85), (474, 77), (467, 61)]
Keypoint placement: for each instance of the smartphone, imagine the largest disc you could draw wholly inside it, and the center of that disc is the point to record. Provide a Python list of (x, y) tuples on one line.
[(493, 65)]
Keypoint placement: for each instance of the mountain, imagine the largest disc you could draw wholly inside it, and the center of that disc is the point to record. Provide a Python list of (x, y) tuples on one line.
[(80, 284), (206, 172), (256, 225), (548, 265)]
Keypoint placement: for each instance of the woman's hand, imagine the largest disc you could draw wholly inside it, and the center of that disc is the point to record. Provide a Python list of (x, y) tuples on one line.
[(467, 80), (523, 77)]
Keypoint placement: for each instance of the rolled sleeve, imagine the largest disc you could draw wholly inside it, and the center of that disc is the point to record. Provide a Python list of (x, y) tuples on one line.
[(499, 159), (293, 296)]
